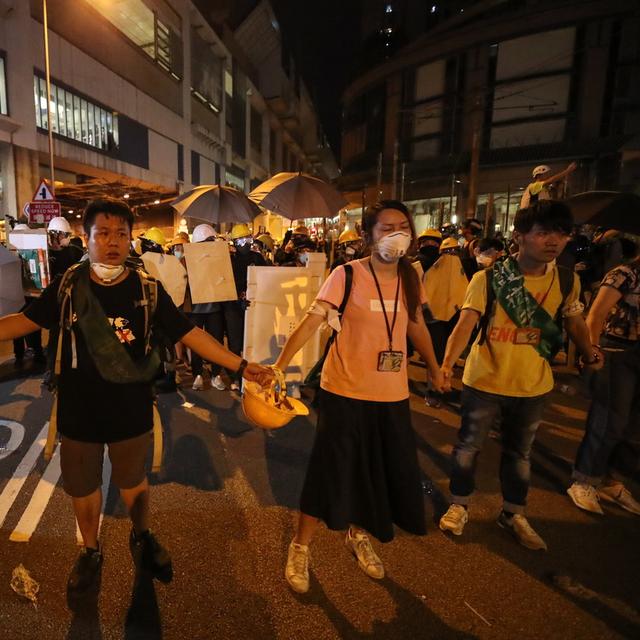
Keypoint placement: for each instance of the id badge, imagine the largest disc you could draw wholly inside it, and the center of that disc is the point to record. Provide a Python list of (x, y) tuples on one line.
[(390, 361), (527, 335)]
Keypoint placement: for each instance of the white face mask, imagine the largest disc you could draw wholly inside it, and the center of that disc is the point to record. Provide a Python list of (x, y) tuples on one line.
[(484, 261), (393, 246), (350, 251), (304, 258), (107, 272), (178, 254)]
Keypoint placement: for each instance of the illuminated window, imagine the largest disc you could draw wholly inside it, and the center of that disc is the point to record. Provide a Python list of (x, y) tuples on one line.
[(74, 117), (155, 32), (4, 109)]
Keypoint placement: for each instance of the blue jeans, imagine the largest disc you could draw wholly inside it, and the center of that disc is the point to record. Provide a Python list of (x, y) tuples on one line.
[(519, 419), (611, 443)]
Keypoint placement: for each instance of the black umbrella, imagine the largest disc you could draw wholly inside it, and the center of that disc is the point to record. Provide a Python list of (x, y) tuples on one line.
[(215, 204), (609, 209)]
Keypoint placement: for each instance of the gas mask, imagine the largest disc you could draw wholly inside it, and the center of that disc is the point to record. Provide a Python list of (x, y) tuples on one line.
[(393, 246), (107, 272), (303, 258)]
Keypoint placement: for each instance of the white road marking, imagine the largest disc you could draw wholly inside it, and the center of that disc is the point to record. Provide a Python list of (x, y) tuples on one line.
[(39, 500), (106, 481), (16, 438), (13, 486)]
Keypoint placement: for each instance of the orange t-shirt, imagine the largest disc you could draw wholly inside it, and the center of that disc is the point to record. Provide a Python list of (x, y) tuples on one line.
[(351, 366)]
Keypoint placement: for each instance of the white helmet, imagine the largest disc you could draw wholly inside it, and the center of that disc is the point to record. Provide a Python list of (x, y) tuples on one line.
[(541, 169), (59, 224), (202, 232)]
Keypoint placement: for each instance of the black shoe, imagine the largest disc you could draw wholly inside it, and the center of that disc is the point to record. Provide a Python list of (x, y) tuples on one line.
[(39, 358), (150, 555), (85, 570), (18, 363)]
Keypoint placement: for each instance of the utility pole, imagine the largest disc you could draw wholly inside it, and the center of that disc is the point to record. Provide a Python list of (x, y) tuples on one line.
[(51, 114)]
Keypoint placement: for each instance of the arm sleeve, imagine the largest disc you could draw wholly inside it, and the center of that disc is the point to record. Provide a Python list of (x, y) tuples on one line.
[(332, 291), (476, 296), (621, 278), (44, 310), (169, 318)]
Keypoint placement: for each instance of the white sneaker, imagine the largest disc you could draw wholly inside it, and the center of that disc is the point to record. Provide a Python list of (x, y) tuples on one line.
[(218, 383), (198, 383), (585, 496), (522, 531), (361, 548), (620, 495), (297, 570), (454, 519)]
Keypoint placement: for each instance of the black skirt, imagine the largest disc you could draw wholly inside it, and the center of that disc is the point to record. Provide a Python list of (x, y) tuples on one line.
[(364, 468)]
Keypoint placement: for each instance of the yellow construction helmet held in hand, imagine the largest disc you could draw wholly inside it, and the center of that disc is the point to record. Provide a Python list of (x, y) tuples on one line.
[(240, 231), (270, 408)]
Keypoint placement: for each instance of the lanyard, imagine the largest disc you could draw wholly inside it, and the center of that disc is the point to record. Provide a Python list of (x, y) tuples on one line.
[(544, 297), (384, 310)]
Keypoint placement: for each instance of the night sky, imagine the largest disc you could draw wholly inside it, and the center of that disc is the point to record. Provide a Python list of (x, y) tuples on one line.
[(324, 38)]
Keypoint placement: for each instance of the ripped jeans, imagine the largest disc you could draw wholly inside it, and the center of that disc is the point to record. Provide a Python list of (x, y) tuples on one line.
[(519, 419)]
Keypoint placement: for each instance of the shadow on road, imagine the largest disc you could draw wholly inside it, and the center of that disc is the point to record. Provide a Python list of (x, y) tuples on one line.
[(143, 617), (85, 624)]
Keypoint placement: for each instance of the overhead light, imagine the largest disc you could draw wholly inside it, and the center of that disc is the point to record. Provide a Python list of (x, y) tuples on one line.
[(156, 201), (126, 196), (454, 218), (78, 215), (70, 211)]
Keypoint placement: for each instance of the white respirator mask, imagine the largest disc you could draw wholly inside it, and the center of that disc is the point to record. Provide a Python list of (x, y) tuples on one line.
[(107, 272), (393, 246), (350, 251), (484, 261)]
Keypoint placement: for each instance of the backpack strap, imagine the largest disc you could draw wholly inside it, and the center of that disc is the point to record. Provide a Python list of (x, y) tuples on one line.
[(348, 281), (488, 309), (565, 278), (149, 303)]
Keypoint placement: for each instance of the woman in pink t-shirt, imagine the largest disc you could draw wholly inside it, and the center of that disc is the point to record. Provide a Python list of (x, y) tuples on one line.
[(363, 472)]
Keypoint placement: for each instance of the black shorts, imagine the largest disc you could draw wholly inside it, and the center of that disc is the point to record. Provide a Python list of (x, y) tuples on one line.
[(81, 463)]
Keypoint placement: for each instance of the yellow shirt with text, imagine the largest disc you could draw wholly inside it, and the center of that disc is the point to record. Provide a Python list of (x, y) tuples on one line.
[(499, 366)]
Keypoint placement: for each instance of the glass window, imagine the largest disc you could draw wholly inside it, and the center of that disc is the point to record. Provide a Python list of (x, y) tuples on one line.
[(91, 125), (3, 89), (69, 112), (85, 121), (74, 117), (61, 102), (77, 121), (36, 98), (103, 128), (44, 113)]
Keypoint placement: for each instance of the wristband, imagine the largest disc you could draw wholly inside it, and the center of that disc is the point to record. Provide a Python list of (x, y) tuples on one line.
[(242, 367)]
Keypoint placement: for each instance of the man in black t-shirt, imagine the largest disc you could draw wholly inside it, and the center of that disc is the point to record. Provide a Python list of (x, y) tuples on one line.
[(95, 406)]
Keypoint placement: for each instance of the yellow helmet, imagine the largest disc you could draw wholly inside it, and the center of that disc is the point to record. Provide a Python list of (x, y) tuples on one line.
[(449, 243), (270, 408), (180, 238), (431, 233), (301, 230), (240, 231), (155, 235), (266, 240), (348, 235)]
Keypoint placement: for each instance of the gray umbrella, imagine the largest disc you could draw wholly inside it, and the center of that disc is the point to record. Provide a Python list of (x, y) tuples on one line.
[(213, 203), (298, 195), (610, 209)]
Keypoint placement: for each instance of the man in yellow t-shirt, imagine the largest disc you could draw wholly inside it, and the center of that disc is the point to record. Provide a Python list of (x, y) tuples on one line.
[(542, 181), (507, 376)]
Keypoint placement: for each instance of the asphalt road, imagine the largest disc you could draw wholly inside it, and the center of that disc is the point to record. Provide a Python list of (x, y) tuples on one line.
[(224, 505)]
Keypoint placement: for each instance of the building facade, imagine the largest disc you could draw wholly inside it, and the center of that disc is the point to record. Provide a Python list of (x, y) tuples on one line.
[(148, 98), (519, 82)]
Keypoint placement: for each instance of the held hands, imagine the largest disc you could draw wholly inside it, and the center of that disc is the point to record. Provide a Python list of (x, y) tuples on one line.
[(596, 362), (447, 376), (261, 374), (572, 167), (437, 380)]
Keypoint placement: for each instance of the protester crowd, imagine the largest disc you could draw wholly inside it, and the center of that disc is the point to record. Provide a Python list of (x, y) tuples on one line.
[(507, 307)]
